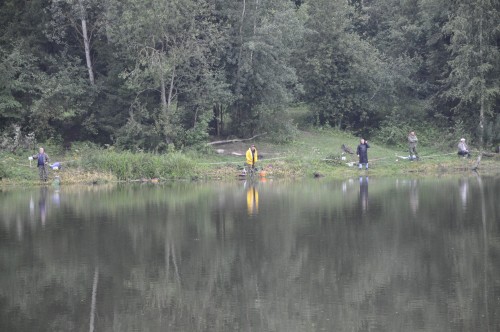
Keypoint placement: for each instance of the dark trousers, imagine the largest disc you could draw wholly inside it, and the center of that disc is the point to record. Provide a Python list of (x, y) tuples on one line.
[(42, 172), (464, 153), (413, 152)]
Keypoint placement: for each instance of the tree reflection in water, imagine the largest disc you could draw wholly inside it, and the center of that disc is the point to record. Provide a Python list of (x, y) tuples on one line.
[(183, 257)]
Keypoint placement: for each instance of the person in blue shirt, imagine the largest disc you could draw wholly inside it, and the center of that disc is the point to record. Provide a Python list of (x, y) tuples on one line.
[(42, 160)]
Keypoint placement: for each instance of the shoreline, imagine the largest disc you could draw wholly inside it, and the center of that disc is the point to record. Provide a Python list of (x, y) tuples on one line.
[(302, 169)]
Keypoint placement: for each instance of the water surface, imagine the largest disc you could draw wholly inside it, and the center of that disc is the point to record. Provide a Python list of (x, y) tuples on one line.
[(364, 254)]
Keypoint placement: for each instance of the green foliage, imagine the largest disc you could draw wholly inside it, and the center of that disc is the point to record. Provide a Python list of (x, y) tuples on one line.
[(128, 165), (259, 63), (279, 128), (492, 132), (16, 79), (193, 136), (135, 136), (301, 115), (392, 133), (495, 133), (16, 165), (166, 72), (65, 99), (172, 46), (474, 63), (473, 82), (346, 80), (335, 160), (394, 130), (3, 171)]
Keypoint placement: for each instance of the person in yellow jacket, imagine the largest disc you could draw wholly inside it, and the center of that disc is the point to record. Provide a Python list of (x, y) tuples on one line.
[(251, 156)]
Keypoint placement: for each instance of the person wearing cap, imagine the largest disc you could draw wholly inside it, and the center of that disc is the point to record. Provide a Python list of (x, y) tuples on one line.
[(251, 157), (412, 145), (463, 149)]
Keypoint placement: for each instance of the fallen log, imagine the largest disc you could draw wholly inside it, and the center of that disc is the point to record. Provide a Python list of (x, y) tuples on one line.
[(346, 149)]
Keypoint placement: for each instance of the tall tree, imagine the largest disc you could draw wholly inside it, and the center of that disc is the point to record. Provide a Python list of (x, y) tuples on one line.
[(473, 81), (84, 17), (22, 45), (15, 84), (173, 46), (263, 36), (344, 77)]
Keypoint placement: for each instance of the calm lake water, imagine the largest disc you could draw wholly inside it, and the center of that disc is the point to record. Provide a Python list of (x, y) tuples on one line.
[(364, 254)]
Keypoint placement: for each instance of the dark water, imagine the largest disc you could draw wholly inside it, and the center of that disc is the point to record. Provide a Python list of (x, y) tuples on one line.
[(355, 255)]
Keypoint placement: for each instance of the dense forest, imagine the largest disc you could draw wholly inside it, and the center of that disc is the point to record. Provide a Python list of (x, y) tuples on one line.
[(154, 74)]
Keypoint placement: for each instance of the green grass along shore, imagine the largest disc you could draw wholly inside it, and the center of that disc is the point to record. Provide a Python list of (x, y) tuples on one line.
[(313, 153)]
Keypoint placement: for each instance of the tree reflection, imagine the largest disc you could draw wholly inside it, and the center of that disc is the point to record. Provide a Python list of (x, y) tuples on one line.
[(363, 193), (464, 191), (182, 257)]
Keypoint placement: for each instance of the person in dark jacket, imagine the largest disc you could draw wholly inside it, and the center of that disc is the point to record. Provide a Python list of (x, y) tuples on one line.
[(362, 152), (42, 160)]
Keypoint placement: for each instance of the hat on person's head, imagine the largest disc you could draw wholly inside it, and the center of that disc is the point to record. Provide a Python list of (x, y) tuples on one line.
[(462, 139)]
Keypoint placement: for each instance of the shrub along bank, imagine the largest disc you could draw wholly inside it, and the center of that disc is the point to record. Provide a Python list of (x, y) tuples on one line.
[(128, 165)]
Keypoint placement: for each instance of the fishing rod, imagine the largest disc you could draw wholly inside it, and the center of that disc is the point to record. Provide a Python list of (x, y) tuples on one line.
[(239, 162)]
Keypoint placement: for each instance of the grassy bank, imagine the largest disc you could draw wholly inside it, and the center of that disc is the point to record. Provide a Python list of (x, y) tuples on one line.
[(313, 153)]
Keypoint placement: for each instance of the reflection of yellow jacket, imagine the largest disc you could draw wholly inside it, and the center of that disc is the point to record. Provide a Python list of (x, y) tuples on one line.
[(252, 201), (249, 157)]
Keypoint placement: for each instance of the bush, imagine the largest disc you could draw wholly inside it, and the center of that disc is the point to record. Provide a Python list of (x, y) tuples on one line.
[(394, 131), (3, 171), (128, 165), (135, 136), (280, 129), (492, 132)]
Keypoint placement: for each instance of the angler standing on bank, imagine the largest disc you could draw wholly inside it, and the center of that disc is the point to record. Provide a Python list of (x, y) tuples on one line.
[(412, 145), (42, 161), (251, 158), (362, 152)]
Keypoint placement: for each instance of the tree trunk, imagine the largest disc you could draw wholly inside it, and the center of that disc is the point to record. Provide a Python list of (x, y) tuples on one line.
[(238, 70), (171, 89), (86, 43), (218, 113), (217, 119), (254, 26), (221, 125), (482, 90), (107, 16), (94, 299), (164, 104), (481, 98)]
